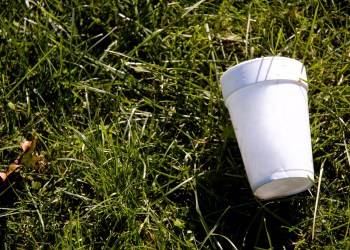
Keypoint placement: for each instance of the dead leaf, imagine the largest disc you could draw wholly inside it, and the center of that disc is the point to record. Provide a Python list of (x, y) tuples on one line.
[(8, 171), (25, 159), (3, 176), (26, 145)]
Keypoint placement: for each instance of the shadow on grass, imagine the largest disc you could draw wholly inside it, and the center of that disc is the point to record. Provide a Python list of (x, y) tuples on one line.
[(8, 198), (232, 213)]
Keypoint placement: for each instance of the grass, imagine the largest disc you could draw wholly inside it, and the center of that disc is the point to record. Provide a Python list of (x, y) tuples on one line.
[(140, 153)]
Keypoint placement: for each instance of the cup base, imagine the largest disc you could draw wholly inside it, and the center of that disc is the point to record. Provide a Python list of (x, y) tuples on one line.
[(282, 187)]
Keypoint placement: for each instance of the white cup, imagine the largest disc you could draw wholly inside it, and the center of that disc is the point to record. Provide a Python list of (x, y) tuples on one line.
[(268, 106)]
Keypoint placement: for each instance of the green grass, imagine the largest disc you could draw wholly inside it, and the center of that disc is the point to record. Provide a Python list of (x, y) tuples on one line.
[(125, 101)]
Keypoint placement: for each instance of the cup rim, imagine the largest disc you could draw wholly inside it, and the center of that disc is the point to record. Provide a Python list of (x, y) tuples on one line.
[(261, 70)]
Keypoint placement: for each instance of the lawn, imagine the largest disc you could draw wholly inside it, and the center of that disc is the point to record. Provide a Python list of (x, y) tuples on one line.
[(139, 151)]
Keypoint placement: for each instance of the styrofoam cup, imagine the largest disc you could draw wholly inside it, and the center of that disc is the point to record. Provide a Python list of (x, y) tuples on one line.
[(268, 105)]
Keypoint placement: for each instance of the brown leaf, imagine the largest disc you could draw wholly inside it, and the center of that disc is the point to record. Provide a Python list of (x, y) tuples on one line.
[(29, 146), (10, 169), (25, 145), (3, 176), (26, 158)]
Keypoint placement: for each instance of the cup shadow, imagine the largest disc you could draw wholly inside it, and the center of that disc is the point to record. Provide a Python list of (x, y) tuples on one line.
[(228, 206)]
